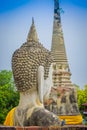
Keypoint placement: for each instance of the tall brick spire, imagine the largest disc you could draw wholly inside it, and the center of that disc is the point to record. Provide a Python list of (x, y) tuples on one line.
[(58, 47), (63, 96)]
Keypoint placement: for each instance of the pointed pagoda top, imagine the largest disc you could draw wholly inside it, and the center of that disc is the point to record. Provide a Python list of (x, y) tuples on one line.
[(58, 47), (32, 35), (32, 20), (57, 11)]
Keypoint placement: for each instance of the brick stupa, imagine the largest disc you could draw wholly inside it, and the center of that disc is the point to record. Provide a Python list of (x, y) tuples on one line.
[(63, 97)]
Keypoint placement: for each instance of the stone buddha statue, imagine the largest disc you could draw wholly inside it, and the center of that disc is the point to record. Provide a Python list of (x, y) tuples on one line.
[(32, 72)]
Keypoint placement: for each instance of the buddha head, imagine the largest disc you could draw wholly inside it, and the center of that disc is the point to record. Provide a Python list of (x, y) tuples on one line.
[(27, 59)]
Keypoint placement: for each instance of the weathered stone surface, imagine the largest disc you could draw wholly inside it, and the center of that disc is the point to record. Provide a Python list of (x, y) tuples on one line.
[(42, 117), (64, 103)]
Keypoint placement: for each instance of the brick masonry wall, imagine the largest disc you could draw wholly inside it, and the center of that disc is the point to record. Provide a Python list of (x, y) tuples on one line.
[(70, 127)]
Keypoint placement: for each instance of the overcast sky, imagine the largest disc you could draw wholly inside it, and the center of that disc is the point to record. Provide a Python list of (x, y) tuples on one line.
[(15, 21)]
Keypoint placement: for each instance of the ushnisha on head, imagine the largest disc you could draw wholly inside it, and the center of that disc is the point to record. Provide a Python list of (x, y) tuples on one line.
[(27, 59)]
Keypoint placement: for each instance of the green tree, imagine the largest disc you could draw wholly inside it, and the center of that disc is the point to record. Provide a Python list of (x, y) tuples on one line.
[(5, 77), (9, 97), (82, 96)]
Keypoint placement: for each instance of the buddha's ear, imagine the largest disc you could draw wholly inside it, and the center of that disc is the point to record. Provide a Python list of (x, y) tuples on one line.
[(40, 77), (48, 84)]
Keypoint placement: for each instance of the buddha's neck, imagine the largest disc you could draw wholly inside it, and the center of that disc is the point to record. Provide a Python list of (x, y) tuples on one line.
[(29, 100)]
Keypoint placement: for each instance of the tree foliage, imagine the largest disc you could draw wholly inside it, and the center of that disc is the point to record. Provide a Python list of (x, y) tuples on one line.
[(9, 97), (82, 96)]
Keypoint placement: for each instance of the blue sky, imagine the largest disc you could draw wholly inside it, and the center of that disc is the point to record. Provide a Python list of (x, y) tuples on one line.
[(15, 21)]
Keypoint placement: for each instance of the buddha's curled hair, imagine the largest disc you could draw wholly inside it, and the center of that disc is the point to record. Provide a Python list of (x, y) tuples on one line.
[(25, 63)]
